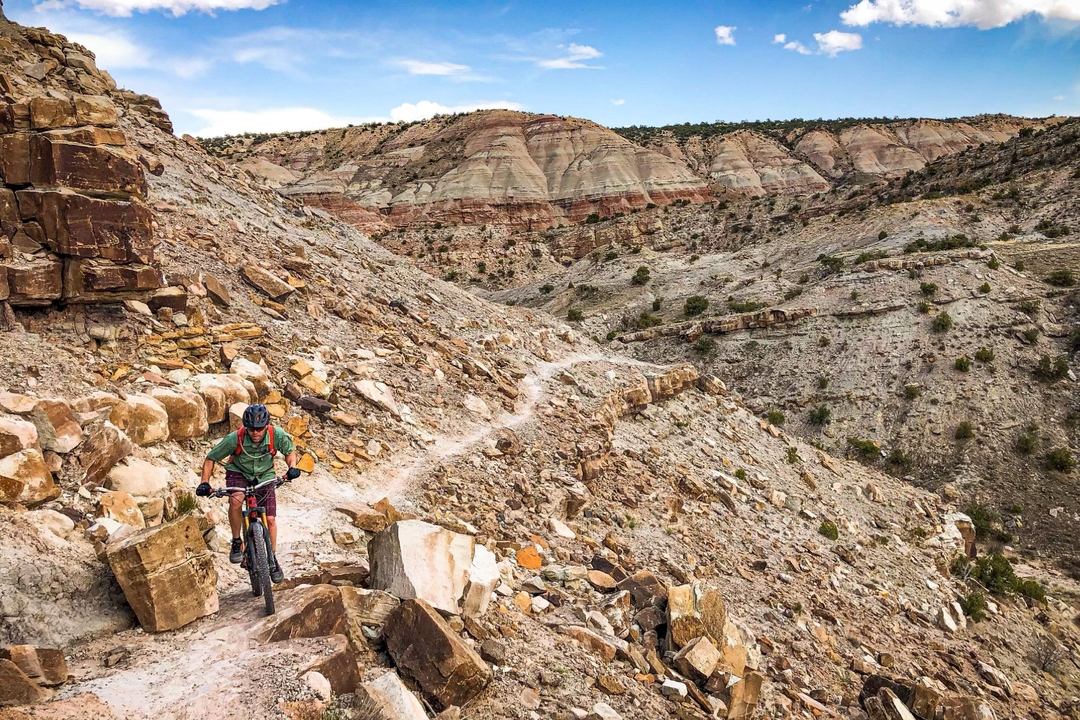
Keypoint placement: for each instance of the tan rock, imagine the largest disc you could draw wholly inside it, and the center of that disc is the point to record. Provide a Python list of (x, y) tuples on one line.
[(695, 610), (25, 479), (601, 581), (414, 559), (697, 659), (602, 646), (378, 394), (265, 281), (55, 522), (424, 646), (483, 578), (186, 410), (255, 374), (337, 664), (17, 404), (742, 697), (16, 435), (142, 418), (121, 507), (306, 612), (57, 428), (220, 392), (167, 574), (18, 689), (138, 477), (105, 445), (365, 608), (236, 415), (44, 666), (387, 698)]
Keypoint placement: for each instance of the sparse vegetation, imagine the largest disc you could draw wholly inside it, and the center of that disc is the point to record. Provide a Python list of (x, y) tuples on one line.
[(962, 363), (695, 305), (943, 322), (793, 455), (867, 256), (911, 392), (1018, 266), (865, 450), (984, 288), (741, 306), (993, 263), (1029, 307), (1060, 460), (641, 276), (955, 242), (1047, 654), (1061, 278), (704, 345), (828, 529), (831, 263), (546, 289), (186, 504), (820, 415), (656, 304), (984, 355), (965, 431), (1027, 442), (923, 307), (1050, 370), (1031, 335), (822, 382), (775, 417), (574, 315), (928, 289), (974, 606)]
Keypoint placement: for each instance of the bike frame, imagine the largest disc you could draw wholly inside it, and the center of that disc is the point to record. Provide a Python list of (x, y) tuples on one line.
[(252, 512)]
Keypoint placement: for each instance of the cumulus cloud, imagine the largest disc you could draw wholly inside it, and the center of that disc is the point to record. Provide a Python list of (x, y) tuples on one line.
[(618, 102), (114, 49), (233, 122), (983, 14), (420, 67), (124, 8), (796, 46), (779, 38), (834, 42), (725, 34), (411, 112), (573, 59)]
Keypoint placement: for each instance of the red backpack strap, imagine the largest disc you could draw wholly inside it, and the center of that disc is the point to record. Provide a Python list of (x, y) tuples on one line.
[(270, 432), (239, 441)]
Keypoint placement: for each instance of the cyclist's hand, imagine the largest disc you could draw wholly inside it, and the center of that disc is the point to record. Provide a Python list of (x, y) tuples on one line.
[(203, 490), (292, 473)]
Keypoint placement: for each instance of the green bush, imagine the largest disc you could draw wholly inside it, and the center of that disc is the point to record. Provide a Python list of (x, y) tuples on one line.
[(993, 263), (995, 573), (984, 288), (1061, 460), (612, 334), (647, 320), (793, 293), (775, 417), (695, 305), (574, 315), (1027, 442), (882, 235), (186, 504), (828, 529), (830, 263), (956, 242), (974, 606), (898, 459), (656, 304), (964, 431), (1029, 307), (740, 473), (854, 294), (865, 450), (1051, 370), (867, 256), (820, 415), (592, 219), (803, 279), (742, 306), (641, 276), (1031, 335), (1018, 266), (923, 307), (983, 519), (793, 455), (546, 289), (481, 267), (822, 382), (1061, 278), (943, 322), (984, 355), (1074, 340), (911, 391), (962, 363), (704, 345), (610, 255), (928, 289)]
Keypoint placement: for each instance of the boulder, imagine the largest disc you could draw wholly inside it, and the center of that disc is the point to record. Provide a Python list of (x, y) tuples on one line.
[(387, 698), (693, 611), (55, 522), (253, 373), (425, 647), (646, 590), (16, 435), (365, 608), (313, 611), (415, 559), (121, 507), (697, 659), (218, 293), (57, 428), (337, 665), (167, 574), (138, 477), (220, 392), (142, 418), (378, 394), (105, 445), (17, 404), (45, 666), (265, 281), (18, 689), (186, 410), (741, 698), (25, 479), (482, 580)]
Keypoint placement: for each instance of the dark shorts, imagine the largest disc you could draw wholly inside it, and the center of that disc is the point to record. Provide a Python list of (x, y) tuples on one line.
[(266, 497)]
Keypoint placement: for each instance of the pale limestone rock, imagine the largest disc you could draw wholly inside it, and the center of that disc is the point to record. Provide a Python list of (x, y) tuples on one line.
[(142, 418), (57, 523), (414, 559), (387, 698), (483, 578), (378, 395), (693, 611), (186, 410), (16, 435), (220, 392), (255, 374), (138, 477), (121, 507)]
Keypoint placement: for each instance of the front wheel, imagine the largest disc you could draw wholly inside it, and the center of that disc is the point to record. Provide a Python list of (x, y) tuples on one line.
[(260, 541)]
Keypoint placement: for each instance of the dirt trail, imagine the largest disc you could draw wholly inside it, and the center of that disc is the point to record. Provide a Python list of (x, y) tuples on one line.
[(201, 671)]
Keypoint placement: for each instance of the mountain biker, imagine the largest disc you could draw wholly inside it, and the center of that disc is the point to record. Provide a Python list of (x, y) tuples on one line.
[(249, 458)]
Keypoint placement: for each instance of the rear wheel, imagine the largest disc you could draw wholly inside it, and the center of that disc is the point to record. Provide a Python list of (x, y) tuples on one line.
[(260, 542)]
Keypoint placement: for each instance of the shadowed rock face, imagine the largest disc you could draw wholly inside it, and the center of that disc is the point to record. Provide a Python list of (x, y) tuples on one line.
[(492, 166)]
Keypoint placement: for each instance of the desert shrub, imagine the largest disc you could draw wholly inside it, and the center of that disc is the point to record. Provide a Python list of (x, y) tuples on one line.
[(793, 455), (974, 606), (452, 276), (1029, 307), (740, 473), (1061, 460), (1061, 278), (898, 459), (965, 431), (186, 504), (647, 320), (956, 242), (984, 288), (481, 267), (911, 392), (962, 363), (882, 235), (923, 307), (574, 315), (820, 415), (983, 519), (610, 255), (854, 294), (831, 263), (928, 288), (867, 256), (656, 304), (695, 305), (1074, 340), (943, 322), (828, 529), (993, 263), (984, 355), (546, 289), (612, 334), (1031, 589), (793, 293), (803, 279), (704, 345), (775, 417), (592, 219), (1052, 369), (1047, 654), (1027, 442), (865, 450), (822, 382), (1031, 335), (641, 276)]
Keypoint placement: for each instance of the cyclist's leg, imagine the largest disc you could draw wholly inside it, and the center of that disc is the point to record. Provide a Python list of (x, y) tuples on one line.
[(269, 501), (236, 480)]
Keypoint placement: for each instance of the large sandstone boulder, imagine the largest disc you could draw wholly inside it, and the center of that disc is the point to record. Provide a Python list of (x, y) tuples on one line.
[(313, 611), (253, 373), (186, 410), (415, 559), (45, 666), (387, 698), (264, 280), (121, 507), (16, 435), (693, 611), (142, 418), (18, 689), (138, 477), (365, 608), (167, 574), (25, 479), (105, 446), (220, 392), (425, 647), (57, 428)]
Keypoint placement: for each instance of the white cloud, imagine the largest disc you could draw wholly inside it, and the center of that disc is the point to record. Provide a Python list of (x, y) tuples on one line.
[(113, 49), (983, 14), (1059, 98), (834, 42), (233, 122), (779, 38), (725, 34), (618, 102), (124, 8), (411, 112), (420, 67), (796, 46), (572, 61)]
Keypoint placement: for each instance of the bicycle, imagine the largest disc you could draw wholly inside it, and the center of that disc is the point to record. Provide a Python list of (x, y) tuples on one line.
[(258, 554)]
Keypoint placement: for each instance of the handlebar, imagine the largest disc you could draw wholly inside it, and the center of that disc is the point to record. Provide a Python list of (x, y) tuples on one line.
[(222, 492)]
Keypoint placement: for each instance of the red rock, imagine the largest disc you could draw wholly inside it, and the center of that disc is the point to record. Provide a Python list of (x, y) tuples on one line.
[(48, 112), (96, 168), (82, 226), (33, 283), (95, 280), (16, 688), (528, 558)]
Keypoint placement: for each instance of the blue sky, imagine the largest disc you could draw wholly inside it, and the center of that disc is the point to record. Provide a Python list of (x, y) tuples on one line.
[(222, 66)]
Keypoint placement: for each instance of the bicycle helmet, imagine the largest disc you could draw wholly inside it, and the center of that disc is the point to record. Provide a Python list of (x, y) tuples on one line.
[(256, 417)]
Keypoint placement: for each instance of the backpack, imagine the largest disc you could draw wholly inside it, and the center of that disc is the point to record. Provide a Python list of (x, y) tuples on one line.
[(242, 432)]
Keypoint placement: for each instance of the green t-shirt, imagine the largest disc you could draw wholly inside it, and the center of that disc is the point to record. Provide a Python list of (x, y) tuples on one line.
[(254, 462)]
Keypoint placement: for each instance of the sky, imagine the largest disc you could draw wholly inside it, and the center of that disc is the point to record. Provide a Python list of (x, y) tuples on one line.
[(231, 66)]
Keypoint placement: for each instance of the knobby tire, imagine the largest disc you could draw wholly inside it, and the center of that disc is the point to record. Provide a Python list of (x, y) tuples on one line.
[(260, 541)]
